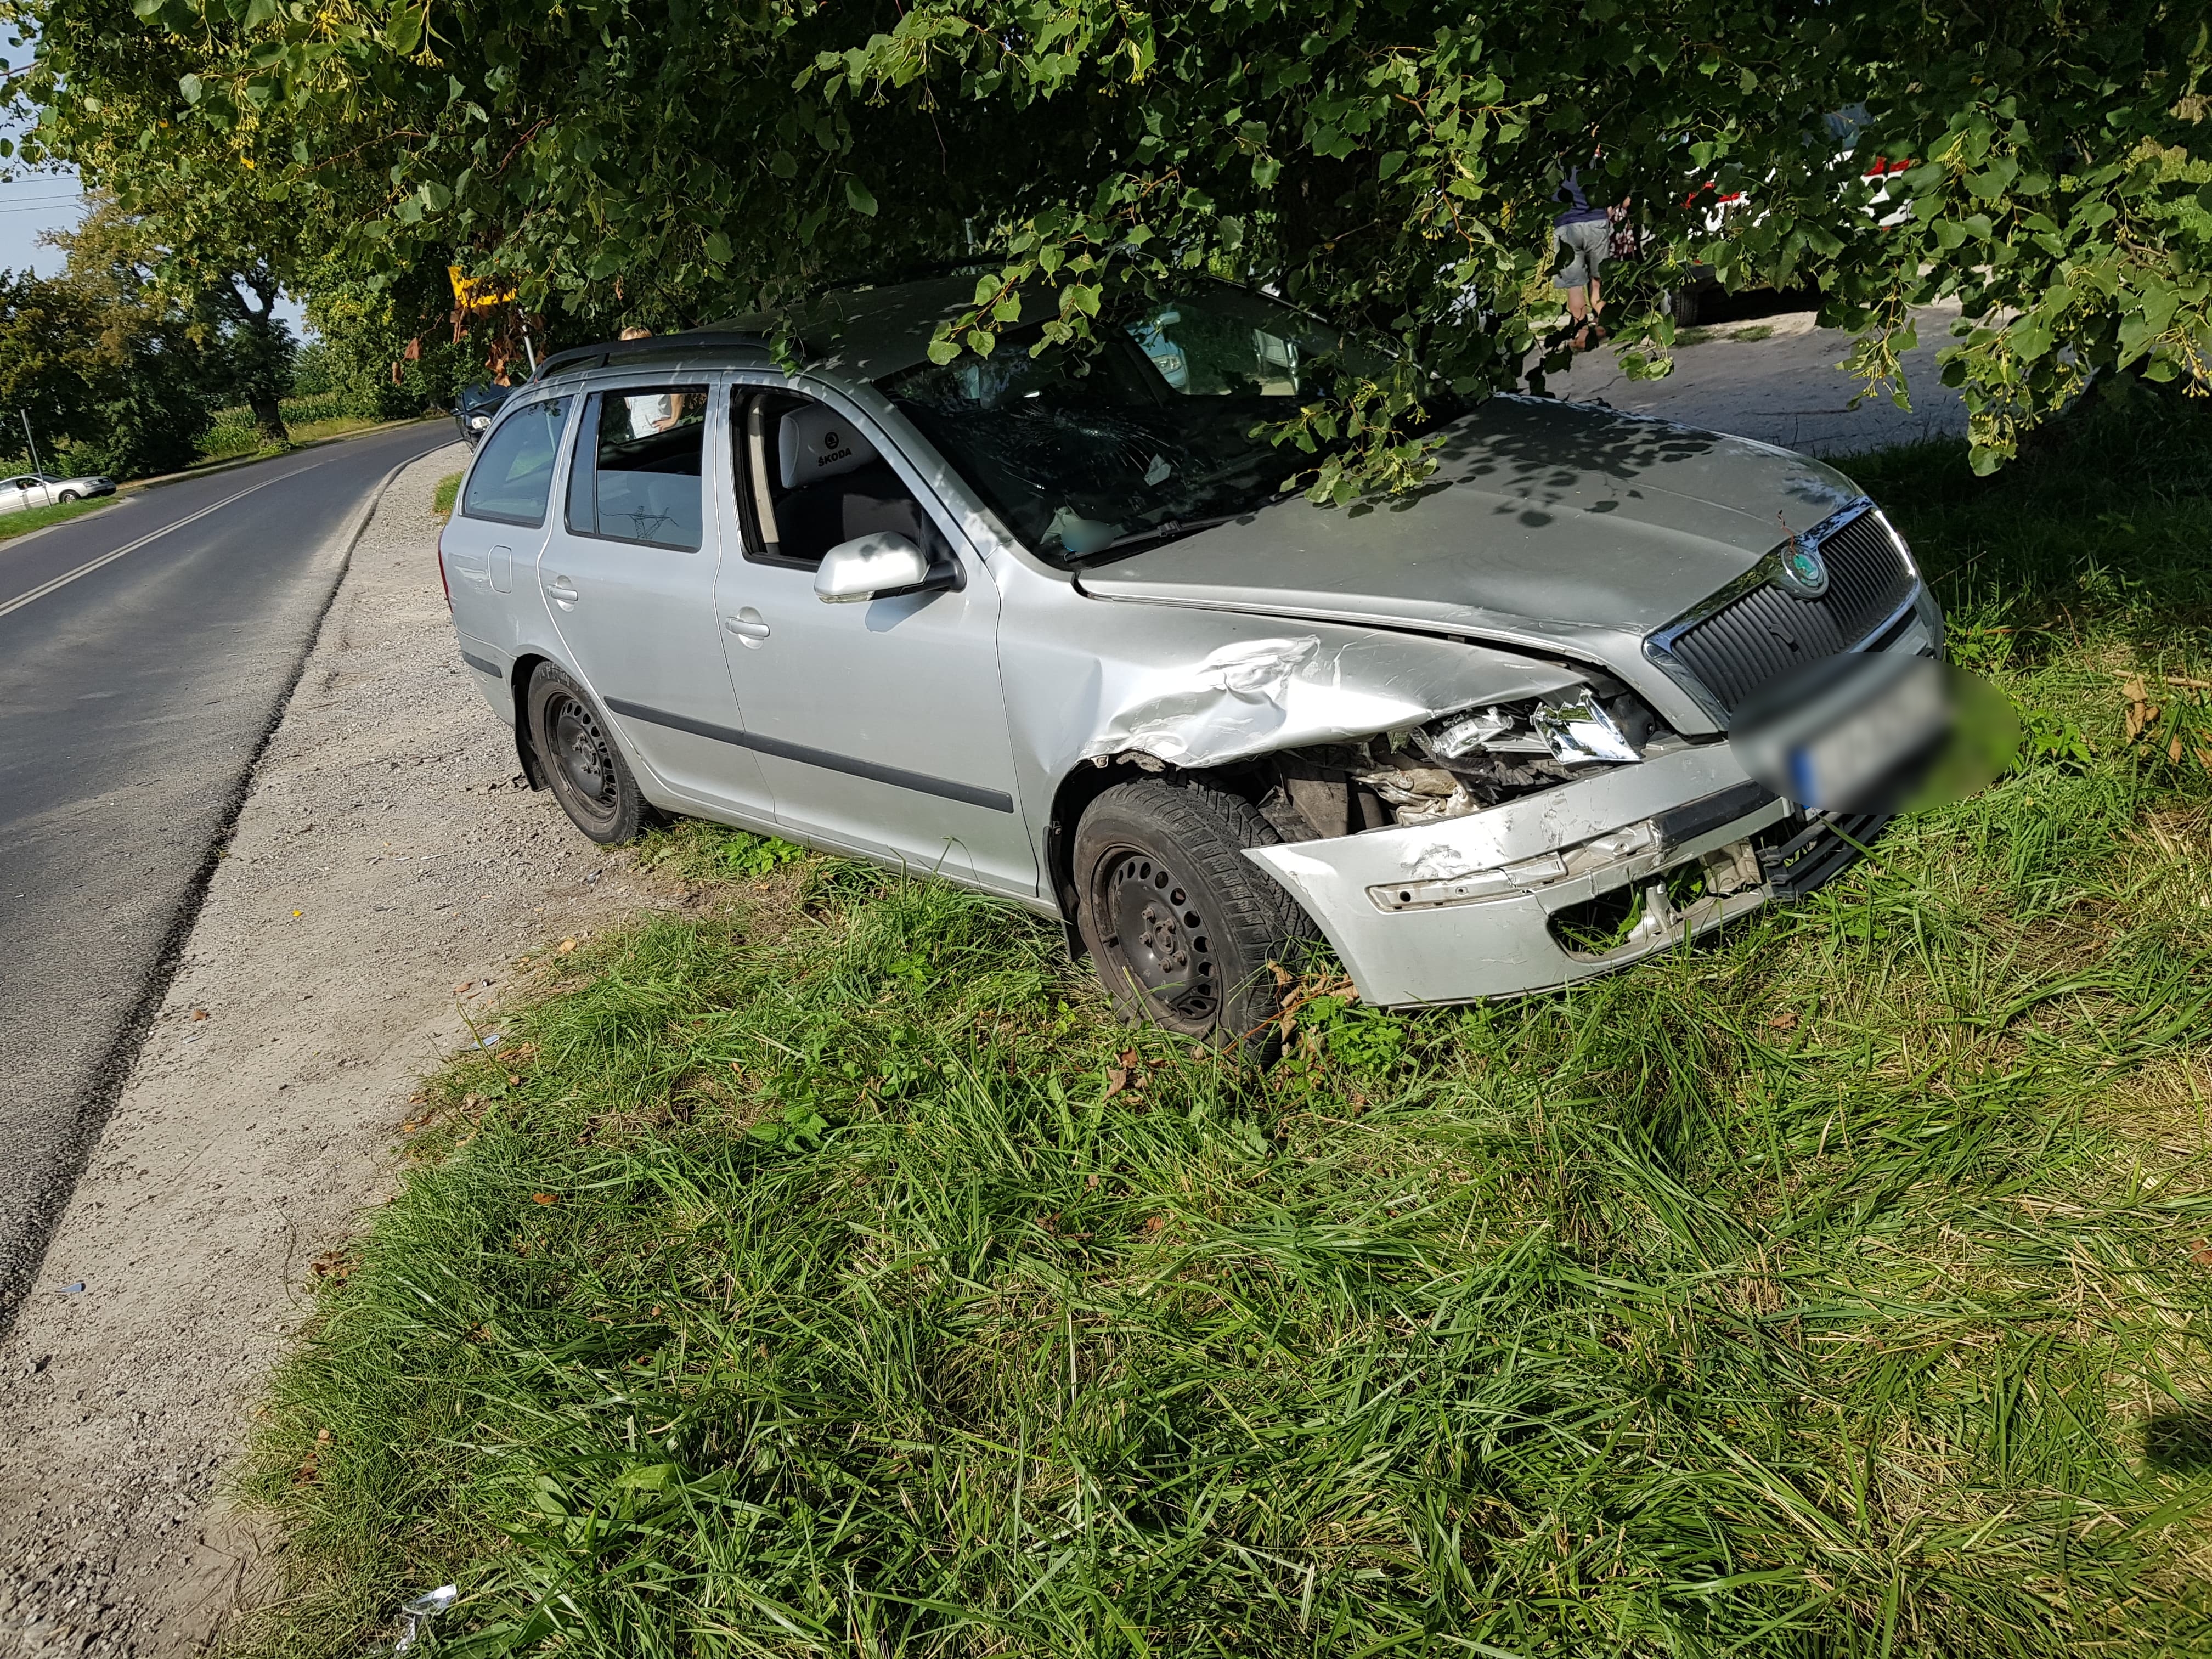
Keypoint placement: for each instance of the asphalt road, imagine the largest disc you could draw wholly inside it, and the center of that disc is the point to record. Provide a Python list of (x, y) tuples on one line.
[(146, 652)]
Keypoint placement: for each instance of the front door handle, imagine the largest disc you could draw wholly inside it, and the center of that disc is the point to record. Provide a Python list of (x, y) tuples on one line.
[(563, 592), (747, 625)]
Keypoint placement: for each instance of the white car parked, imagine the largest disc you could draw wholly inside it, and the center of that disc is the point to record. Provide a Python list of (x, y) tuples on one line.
[(43, 490)]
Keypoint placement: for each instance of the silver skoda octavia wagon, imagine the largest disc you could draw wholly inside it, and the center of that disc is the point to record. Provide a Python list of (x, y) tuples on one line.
[(1050, 629)]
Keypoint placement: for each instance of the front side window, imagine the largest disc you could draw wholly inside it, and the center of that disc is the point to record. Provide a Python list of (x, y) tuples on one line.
[(636, 476), (513, 476), (1151, 435), (808, 479)]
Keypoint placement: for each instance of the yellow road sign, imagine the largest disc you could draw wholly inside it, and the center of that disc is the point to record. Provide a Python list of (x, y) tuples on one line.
[(478, 293)]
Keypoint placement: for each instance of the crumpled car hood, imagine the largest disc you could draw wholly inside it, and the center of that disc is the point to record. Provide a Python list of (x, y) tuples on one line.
[(1545, 523)]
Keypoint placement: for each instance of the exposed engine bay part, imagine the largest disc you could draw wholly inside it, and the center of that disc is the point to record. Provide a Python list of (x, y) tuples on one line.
[(1459, 763)]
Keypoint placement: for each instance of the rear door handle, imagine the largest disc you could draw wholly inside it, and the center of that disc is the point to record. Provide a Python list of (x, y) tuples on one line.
[(747, 625), (563, 591)]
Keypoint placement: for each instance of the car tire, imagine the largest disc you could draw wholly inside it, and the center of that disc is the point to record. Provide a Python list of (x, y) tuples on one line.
[(1683, 308), (69, 496), (1183, 929), (583, 765)]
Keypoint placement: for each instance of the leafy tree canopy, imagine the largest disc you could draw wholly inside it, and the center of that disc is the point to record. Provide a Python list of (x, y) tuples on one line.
[(113, 375), (1389, 162)]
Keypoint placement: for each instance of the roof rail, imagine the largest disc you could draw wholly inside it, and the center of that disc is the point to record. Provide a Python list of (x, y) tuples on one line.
[(652, 345)]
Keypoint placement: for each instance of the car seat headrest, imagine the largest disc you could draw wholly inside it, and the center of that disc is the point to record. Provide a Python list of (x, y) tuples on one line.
[(819, 443)]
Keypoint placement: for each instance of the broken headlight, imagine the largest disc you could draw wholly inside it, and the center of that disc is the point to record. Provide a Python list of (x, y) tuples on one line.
[(1573, 728), (1482, 755), (1462, 762)]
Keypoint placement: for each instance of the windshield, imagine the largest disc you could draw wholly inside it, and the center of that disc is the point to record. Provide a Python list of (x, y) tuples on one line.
[(1150, 437)]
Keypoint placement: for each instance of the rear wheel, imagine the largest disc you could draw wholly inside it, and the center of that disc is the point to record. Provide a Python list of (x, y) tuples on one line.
[(586, 771), (1182, 926)]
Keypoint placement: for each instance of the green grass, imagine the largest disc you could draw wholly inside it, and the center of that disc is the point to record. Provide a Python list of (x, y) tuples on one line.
[(822, 1271), (37, 518), (441, 503)]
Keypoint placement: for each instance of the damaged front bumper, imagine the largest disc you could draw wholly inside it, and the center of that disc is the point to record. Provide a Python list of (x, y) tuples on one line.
[(1491, 904)]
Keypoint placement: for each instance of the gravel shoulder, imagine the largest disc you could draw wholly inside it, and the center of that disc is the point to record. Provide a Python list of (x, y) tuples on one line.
[(383, 878)]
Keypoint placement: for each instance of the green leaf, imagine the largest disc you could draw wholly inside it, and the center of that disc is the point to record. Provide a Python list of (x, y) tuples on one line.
[(1392, 160), (1989, 184), (856, 193), (980, 341), (783, 164), (718, 248), (190, 85), (404, 33), (942, 351)]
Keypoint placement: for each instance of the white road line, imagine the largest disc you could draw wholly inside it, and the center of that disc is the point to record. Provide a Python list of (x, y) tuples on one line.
[(87, 568)]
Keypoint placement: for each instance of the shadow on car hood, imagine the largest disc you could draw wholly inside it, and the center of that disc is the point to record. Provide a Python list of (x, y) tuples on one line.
[(1545, 523)]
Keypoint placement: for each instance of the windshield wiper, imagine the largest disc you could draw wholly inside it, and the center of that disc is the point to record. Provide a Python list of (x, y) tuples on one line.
[(1167, 530)]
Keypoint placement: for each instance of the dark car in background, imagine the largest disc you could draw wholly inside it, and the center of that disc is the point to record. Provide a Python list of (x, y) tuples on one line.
[(474, 407)]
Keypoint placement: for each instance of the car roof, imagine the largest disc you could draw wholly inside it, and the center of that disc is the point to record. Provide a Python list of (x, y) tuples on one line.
[(862, 332)]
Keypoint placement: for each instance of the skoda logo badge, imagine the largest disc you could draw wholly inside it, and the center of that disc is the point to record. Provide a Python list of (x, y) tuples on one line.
[(1801, 572)]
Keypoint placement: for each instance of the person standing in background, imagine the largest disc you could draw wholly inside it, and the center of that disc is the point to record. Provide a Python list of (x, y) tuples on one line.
[(649, 414), (1585, 233)]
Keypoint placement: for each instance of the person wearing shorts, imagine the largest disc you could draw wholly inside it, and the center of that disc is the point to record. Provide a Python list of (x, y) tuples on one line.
[(1584, 233)]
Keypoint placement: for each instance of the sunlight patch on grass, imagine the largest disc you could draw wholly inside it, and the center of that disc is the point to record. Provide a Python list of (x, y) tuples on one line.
[(441, 503)]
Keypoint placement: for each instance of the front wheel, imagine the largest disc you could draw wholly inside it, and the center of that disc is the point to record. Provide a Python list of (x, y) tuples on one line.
[(69, 496), (1183, 927), (586, 771)]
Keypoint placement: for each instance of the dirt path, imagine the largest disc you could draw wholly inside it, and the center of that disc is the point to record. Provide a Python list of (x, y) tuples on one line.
[(384, 858)]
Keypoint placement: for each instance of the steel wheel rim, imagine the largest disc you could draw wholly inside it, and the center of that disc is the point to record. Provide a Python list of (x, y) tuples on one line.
[(1160, 935), (582, 754)]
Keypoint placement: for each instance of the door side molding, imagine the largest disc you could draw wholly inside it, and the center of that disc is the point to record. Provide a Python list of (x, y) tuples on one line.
[(993, 800)]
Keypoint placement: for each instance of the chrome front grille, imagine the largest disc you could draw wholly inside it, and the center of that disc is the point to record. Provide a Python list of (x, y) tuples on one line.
[(1755, 633)]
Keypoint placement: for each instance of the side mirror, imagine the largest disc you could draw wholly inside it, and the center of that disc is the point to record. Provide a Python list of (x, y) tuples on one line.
[(873, 567)]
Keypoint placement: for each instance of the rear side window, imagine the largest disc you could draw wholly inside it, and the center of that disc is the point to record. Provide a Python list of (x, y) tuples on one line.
[(513, 477), (636, 476)]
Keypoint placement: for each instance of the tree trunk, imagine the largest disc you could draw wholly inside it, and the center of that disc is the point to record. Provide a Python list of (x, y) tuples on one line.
[(269, 416), (257, 298)]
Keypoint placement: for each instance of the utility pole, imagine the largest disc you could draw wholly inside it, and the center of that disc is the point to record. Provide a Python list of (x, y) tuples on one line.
[(28, 439)]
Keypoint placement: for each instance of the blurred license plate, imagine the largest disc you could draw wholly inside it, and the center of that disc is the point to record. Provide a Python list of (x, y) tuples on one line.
[(1864, 745)]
